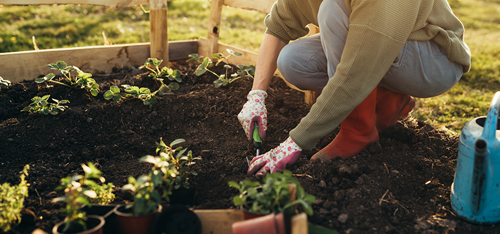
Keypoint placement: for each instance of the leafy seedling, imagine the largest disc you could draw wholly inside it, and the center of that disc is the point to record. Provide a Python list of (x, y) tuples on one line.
[(4, 82), (272, 196), (41, 105), (143, 93), (159, 74), (222, 79), (12, 202), (172, 168), (78, 191), (146, 196), (113, 93), (82, 80)]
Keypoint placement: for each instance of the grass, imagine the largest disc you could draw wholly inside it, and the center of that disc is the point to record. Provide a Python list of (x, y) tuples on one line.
[(82, 25)]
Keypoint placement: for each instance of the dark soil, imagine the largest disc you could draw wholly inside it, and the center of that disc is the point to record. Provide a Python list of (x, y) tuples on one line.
[(399, 185)]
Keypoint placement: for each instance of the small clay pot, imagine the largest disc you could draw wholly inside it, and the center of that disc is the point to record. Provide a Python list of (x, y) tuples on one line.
[(94, 225), (107, 212), (132, 224), (268, 224), (251, 215)]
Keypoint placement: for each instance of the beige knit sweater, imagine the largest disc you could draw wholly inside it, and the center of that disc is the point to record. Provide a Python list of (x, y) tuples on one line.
[(378, 29)]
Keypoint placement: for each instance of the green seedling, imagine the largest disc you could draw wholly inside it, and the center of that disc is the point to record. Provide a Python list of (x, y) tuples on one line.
[(4, 82), (222, 79), (82, 80), (41, 105), (159, 74), (12, 202), (146, 196), (147, 97), (272, 196), (79, 190), (113, 93), (172, 168)]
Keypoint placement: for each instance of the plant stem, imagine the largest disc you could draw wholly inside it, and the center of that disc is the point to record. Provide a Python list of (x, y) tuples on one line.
[(57, 82)]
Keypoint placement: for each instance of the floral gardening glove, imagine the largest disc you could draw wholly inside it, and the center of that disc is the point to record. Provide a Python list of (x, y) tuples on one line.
[(275, 160), (254, 110)]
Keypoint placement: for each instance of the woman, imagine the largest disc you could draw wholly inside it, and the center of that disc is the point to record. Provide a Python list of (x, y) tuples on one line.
[(369, 58)]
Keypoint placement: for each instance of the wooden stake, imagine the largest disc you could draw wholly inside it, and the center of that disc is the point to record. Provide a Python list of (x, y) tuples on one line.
[(159, 30), (214, 27)]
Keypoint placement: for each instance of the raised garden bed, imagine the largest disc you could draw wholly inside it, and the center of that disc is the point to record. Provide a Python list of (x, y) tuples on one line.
[(400, 185)]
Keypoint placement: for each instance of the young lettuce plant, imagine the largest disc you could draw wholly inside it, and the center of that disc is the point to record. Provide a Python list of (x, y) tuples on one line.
[(78, 191), (223, 79), (272, 196), (4, 82), (41, 105), (172, 168), (12, 202), (82, 80)]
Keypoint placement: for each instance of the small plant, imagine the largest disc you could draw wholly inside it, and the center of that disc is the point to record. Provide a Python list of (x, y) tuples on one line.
[(272, 196), (172, 167), (148, 98), (4, 82), (80, 190), (82, 80), (12, 202), (223, 79), (146, 196), (41, 105), (113, 93), (153, 65)]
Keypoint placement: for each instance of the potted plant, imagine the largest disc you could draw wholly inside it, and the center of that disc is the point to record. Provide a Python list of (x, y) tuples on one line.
[(268, 206), (169, 171), (273, 196), (78, 191), (12, 201)]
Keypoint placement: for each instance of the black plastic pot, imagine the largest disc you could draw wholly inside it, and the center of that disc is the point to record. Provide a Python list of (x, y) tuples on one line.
[(177, 219)]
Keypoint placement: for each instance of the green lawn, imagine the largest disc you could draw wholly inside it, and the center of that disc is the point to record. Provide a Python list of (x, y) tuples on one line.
[(72, 26)]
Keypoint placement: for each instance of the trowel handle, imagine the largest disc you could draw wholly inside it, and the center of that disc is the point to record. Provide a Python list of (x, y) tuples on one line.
[(490, 126), (257, 142)]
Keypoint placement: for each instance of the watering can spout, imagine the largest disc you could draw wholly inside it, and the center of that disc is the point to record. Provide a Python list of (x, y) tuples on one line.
[(478, 173)]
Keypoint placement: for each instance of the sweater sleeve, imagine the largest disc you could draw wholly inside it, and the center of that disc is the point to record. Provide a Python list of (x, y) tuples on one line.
[(288, 18), (378, 29)]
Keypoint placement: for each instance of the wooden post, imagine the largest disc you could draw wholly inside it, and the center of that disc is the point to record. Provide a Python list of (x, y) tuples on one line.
[(159, 30), (214, 27)]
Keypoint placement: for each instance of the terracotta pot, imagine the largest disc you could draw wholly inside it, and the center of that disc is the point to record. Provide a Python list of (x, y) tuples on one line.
[(251, 215), (268, 224), (177, 219), (131, 224), (94, 225)]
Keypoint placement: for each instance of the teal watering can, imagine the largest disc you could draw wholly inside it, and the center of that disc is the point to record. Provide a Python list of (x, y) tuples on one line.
[(475, 192)]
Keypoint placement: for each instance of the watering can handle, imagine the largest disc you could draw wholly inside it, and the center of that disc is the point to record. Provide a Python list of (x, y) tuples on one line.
[(490, 126)]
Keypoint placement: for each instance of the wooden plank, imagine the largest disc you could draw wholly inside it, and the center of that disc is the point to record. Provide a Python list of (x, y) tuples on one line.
[(218, 221), (299, 224), (159, 30), (263, 6), (109, 3), (214, 27), (90, 59)]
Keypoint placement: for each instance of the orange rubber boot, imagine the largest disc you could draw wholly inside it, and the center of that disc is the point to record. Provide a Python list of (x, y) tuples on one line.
[(356, 132), (391, 107)]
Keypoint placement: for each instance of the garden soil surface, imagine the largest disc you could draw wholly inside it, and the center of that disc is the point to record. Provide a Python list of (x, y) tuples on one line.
[(400, 184)]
